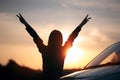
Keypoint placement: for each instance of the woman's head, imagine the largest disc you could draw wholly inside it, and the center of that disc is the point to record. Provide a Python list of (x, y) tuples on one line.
[(55, 38)]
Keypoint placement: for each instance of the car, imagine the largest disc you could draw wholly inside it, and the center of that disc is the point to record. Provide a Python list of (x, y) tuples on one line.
[(105, 66)]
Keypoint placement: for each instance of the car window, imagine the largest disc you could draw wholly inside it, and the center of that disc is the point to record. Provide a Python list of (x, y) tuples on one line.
[(113, 58), (107, 56), (109, 59)]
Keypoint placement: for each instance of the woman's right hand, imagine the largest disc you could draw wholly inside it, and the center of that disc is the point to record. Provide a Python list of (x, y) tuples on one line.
[(22, 20), (85, 20)]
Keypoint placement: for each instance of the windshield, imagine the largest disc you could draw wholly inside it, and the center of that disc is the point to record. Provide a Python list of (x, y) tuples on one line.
[(110, 55)]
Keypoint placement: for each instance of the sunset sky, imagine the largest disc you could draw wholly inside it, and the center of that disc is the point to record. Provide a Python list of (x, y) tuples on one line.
[(64, 15)]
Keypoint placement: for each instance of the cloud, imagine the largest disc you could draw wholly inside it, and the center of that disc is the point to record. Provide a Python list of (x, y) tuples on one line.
[(94, 36), (27, 5), (36, 5), (91, 3), (97, 36)]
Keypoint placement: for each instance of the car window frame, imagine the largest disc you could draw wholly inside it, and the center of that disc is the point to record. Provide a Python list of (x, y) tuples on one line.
[(106, 51)]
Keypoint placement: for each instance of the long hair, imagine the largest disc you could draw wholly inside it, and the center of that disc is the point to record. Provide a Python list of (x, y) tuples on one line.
[(55, 39)]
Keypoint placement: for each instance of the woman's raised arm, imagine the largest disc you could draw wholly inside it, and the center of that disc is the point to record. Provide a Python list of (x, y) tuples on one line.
[(31, 31), (75, 33)]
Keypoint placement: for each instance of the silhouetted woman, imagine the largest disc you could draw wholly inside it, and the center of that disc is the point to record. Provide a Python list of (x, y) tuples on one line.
[(53, 55)]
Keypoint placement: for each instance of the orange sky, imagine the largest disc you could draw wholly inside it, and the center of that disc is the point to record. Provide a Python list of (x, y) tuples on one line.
[(64, 15)]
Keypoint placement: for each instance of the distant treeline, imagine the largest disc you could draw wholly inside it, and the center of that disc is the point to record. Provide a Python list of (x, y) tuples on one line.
[(13, 71)]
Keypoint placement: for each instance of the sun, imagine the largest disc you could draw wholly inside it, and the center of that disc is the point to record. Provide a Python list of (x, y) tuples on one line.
[(74, 56)]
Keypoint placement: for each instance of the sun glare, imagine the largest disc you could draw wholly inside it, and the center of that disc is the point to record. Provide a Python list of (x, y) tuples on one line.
[(74, 56)]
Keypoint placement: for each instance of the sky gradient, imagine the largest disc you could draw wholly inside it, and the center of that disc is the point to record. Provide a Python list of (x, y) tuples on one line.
[(64, 15)]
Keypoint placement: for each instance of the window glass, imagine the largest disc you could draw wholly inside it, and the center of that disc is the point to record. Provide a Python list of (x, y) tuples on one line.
[(113, 58)]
